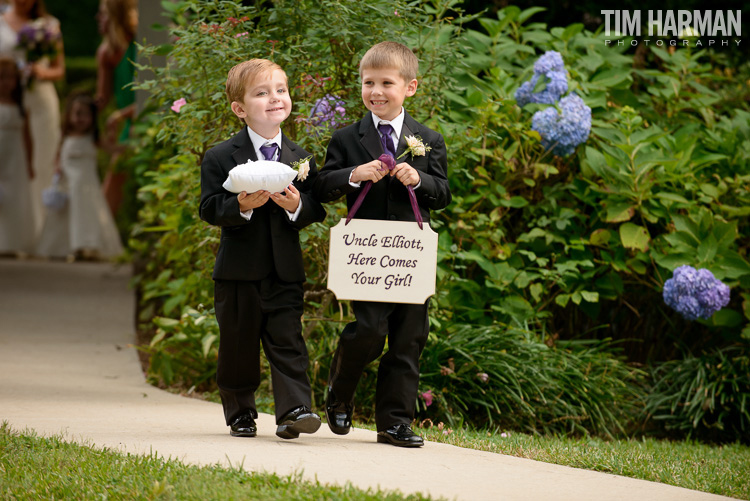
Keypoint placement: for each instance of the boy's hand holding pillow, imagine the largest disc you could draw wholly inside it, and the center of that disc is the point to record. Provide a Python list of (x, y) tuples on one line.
[(259, 175)]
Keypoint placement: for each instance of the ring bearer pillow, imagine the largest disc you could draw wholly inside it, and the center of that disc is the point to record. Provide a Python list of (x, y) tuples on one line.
[(259, 175)]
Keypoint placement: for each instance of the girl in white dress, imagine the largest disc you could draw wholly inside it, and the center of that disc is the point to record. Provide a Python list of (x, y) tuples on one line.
[(40, 97), (16, 217), (92, 232)]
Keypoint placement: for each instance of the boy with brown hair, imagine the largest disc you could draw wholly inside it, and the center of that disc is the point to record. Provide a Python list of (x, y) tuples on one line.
[(388, 73), (259, 272)]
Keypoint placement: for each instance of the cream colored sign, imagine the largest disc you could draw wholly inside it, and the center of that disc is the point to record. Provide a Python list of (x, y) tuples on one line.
[(388, 261)]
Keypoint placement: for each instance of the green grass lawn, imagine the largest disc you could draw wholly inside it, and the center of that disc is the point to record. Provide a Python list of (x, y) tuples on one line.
[(34, 467), (721, 470), (51, 468)]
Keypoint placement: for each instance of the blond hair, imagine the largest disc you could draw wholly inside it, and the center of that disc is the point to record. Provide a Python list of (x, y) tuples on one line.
[(243, 75), (391, 55), (122, 16)]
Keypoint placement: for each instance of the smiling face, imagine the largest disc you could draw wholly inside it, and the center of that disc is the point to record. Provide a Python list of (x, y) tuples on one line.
[(384, 91), (266, 103)]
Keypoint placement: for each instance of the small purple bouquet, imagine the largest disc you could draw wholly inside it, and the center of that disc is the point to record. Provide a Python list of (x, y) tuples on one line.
[(39, 39), (695, 293)]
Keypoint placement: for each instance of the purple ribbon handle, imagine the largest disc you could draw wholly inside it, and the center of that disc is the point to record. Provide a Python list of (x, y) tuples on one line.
[(390, 164)]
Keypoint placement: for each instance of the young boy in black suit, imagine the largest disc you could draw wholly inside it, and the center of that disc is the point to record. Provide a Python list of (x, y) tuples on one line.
[(259, 273), (388, 72)]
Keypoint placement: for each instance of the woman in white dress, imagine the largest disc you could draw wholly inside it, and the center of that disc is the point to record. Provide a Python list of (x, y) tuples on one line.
[(91, 229), (40, 98), (16, 223)]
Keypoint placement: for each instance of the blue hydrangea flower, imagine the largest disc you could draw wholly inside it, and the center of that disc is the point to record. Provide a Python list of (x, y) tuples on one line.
[(561, 133), (695, 293), (549, 61), (551, 70), (328, 111)]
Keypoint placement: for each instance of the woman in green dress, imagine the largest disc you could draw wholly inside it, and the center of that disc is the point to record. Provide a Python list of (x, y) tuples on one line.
[(118, 22)]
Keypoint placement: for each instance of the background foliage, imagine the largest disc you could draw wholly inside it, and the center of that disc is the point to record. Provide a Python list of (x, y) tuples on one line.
[(549, 315)]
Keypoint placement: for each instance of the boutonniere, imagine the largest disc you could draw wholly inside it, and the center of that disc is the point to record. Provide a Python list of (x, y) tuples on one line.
[(415, 146), (303, 168)]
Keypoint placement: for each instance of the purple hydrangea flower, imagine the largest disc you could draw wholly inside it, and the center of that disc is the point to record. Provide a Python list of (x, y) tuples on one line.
[(561, 133), (551, 69), (328, 111), (695, 293)]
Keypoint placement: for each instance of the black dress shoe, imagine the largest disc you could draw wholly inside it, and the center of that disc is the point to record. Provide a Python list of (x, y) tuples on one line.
[(401, 436), (243, 426), (296, 421), (338, 414)]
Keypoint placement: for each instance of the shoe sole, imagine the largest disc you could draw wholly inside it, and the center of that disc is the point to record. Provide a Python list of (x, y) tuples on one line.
[(243, 433), (385, 440), (308, 424), (338, 431)]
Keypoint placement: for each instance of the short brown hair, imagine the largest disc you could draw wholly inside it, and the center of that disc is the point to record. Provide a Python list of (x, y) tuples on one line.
[(391, 55), (244, 74)]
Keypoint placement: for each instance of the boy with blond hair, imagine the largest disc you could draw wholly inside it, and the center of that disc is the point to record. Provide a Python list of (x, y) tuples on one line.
[(259, 272), (388, 73)]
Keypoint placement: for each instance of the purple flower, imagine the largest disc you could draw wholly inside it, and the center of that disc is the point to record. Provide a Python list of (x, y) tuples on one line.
[(38, 39), (562, 132), (427, 396), (695, 293), (551, 70), (327, 111)]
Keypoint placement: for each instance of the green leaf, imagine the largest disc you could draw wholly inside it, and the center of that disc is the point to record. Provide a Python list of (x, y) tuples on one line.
[(591, 297), (536, 290), (619, 212), (634, 236), (562, 300), (572, 31), (207, 343), (166, 323), (710, 190), (672, 197), (600, 237)]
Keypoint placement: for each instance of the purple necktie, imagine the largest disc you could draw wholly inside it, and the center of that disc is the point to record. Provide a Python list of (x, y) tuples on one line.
[(269, 150), (386, 140)]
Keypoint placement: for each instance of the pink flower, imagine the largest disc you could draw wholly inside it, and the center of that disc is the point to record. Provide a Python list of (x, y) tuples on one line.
[(178, 104), (505, 434), (427, 396), (483, 377), (240, 35)]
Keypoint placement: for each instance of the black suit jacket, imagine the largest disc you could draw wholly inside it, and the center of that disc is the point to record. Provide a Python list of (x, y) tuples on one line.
[(358, 144), (250, 250)]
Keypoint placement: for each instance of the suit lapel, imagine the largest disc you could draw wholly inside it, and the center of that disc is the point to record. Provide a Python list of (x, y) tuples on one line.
[(288, 151), (245, 150), (410, 128), (370, 137)]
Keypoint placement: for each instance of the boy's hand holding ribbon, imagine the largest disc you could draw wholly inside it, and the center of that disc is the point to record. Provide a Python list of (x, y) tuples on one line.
[(374, 171)]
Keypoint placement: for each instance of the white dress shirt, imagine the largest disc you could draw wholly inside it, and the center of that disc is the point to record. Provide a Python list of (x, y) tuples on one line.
[(259, 141)]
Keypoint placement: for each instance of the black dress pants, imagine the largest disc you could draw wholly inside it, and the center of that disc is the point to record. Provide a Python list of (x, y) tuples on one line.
[(251, 313), (406, 326)]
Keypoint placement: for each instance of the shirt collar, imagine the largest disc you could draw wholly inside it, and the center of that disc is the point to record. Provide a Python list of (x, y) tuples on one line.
[(397, 123), (259, 141)]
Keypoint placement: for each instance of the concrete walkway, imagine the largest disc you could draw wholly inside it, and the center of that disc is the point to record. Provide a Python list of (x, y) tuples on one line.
[(66, 368)]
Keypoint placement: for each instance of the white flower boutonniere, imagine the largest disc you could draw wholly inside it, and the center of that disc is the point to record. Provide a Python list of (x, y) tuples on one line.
[(303, 168), (415, 146)]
